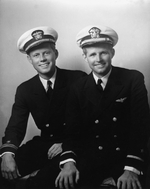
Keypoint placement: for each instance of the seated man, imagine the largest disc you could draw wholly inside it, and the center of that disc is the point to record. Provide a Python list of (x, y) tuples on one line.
[(44, 97), (107, 118)]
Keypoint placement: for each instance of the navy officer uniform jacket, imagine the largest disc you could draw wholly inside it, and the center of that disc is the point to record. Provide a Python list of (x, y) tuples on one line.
[(110, 127), (48, 116)]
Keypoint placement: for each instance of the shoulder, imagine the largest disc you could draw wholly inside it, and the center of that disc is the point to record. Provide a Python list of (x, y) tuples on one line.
[(71, 72), (29, 83), (71, 75), (83, 82), (127, 74)]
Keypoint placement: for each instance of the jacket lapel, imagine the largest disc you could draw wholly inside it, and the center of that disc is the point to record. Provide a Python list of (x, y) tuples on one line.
[(39, 94), (112, 90), (60, 86), (60, 80), (90, 90)]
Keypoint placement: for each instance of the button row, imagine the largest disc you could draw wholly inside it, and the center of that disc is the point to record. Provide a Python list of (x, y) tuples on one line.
[(101, 148), (114, 119), (97, 136), (47, 125)]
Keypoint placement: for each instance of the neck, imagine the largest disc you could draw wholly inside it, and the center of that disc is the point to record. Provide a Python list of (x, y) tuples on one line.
[(104, 75), (48, 75)]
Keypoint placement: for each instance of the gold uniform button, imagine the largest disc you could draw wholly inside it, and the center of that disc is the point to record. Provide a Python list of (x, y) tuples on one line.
[(117, 149), (114, 119), (100, 147), (47, 125), (97, 121)]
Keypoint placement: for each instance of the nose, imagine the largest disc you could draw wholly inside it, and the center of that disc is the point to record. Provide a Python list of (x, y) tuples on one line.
[(42, 58), (98, 58)]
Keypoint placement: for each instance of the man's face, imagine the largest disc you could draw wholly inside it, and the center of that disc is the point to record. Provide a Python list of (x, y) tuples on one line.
[(43, 59), (99, 58)]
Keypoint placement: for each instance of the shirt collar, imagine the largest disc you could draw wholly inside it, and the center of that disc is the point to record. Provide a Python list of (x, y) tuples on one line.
[(52, 79), (104, 78)]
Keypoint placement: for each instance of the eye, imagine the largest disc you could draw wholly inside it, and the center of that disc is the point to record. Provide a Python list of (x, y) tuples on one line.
[(35, 55), (47, 52), (104, 53), (93, 54)]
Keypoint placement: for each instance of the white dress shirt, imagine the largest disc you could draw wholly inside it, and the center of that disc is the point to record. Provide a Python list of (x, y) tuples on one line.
[(52, 79)]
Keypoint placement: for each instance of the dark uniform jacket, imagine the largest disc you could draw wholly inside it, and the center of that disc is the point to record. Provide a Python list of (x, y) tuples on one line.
[(114, 121), (48, 115)]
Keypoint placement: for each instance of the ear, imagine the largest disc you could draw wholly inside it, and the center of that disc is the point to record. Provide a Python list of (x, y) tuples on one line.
[(56, 53), (29, 59), (85, 57), (113, 52)]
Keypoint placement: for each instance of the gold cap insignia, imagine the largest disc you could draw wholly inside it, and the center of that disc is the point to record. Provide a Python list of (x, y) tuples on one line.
[(95, 32), (38, 34)]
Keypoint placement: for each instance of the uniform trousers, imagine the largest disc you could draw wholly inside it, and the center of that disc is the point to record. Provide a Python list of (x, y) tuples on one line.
[(33, 156), (97, 165)]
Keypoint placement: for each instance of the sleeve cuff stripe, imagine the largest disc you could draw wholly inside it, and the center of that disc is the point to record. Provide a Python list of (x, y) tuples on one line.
[(67, 152), (9, 145), (7, 153), (134, 157), (132, 169), (67, 160)]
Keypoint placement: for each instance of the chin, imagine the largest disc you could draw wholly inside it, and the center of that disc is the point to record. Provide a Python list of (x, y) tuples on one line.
[(101, 71)]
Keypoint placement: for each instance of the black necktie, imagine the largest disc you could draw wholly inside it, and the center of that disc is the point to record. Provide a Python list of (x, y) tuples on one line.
[(49, 89), (99, 86)]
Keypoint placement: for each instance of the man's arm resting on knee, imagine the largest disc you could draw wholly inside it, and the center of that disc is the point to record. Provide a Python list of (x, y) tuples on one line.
[(8, 166), (68, 176)]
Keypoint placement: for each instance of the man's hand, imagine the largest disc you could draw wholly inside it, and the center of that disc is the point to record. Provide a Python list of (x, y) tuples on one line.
[(128, 180), (9, 167), (68, 176), (54, 150)]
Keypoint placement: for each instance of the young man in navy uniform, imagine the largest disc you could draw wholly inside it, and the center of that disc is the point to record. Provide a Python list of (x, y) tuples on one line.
[(107, 119), (44, 97)]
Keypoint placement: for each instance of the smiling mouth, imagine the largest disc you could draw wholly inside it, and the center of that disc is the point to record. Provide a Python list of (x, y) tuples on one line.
[(100, 64), (44, 65)]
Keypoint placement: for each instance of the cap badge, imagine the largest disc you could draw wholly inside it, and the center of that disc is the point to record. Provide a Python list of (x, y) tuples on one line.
[(95, 32), (38, 34)]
